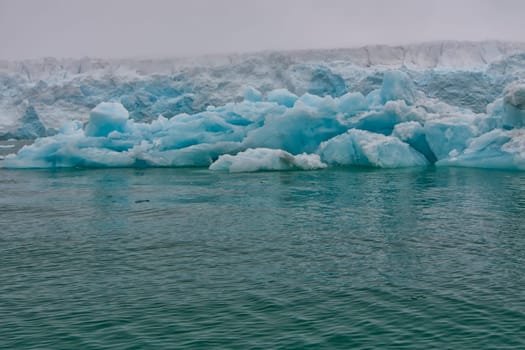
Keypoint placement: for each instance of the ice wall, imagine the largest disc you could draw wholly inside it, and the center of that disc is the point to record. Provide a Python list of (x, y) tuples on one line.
[(463, 74), (393, 126)]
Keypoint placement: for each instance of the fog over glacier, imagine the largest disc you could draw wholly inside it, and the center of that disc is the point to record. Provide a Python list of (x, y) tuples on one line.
[(154, 28)]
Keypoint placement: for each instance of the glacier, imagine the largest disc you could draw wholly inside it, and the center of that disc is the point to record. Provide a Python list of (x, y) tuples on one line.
[(442, 104)]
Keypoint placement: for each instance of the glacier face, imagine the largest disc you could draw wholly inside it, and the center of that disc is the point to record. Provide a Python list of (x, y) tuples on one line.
[(459, 104)]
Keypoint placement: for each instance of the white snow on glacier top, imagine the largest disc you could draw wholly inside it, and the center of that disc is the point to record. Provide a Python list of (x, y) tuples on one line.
[(432, 55)]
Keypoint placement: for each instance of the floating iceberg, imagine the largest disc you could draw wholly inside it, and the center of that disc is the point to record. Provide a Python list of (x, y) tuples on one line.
[(256, 159), (364, 148), (497, 149)]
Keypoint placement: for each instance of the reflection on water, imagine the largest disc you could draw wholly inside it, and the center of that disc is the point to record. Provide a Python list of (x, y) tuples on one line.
[(187, 258)]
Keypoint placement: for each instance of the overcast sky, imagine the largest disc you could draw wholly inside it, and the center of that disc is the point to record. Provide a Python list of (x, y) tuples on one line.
[(148, 28)]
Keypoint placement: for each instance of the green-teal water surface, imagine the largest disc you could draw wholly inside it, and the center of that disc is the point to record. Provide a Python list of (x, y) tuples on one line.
[(188, 258)]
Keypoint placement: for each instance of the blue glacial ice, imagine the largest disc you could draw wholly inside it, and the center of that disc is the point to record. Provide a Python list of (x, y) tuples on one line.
[(256, 159), (364, 148), (382, 107)]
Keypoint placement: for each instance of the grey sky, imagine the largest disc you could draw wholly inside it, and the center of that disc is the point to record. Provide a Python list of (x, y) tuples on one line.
[(138, 28)]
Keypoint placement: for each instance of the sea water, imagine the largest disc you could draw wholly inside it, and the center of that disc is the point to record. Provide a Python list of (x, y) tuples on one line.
[(190, 258)]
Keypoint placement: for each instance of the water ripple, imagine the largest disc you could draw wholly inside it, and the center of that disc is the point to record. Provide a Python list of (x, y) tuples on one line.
[(184, 258)]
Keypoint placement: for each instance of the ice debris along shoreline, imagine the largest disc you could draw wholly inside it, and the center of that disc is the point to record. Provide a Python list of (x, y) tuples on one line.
[(393, 126)]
